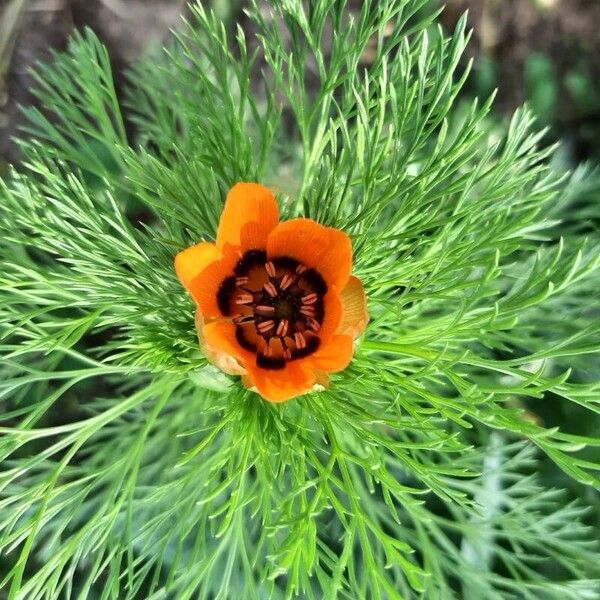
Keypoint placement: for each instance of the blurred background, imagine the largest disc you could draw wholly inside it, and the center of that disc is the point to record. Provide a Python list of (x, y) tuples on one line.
[(545, 52)]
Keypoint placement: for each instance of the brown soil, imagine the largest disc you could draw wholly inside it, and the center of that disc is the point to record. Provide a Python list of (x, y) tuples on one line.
[(127, 27), (505, 30), (510, 30)]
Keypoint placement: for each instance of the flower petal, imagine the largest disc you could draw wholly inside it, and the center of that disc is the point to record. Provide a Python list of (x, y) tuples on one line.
[(354, 301), (249, 216), (335, 355), (295, 379), (204, 288), (189, 263), (321, 382), (224, 361), (327, 250), (333, 312), (219, 344)]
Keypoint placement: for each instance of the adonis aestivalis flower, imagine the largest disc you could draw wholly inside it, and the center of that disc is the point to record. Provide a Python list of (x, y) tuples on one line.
[(276, 301)]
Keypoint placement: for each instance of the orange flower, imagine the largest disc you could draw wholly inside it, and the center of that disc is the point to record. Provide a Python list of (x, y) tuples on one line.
[(276, 302)]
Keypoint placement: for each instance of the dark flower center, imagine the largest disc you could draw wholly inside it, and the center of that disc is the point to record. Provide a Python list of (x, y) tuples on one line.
[(284, 308), (277, 306)]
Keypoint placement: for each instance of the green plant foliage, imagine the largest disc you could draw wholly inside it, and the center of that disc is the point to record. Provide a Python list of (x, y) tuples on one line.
[(133, 469), (541, 86)]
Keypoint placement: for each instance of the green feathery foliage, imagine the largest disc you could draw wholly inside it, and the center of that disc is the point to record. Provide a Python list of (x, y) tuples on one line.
[(133, 469)]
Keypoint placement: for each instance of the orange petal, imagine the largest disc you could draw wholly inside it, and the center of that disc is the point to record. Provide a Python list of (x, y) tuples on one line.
[(327, 250), (224, 361), (189, 263), (222, 349), (333, 312), (205, 285), (333, 356), (354, 301), (321, 382), (249, 216), (295, 379)]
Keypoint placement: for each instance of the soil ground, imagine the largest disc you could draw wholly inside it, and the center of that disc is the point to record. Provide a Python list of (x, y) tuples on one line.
[(127, 27), (508, 31)]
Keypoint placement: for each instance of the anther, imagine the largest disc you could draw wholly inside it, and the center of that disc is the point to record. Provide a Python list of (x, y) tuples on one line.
[(245, 299), (265, 326), (241, 281), (270, 269), (270, 289), (243, 319), (300, 269), (286, 281), (265, 309), (307, 311), (287, 354), (314, 324), (282, 328), (309, 299), (300, 340)]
